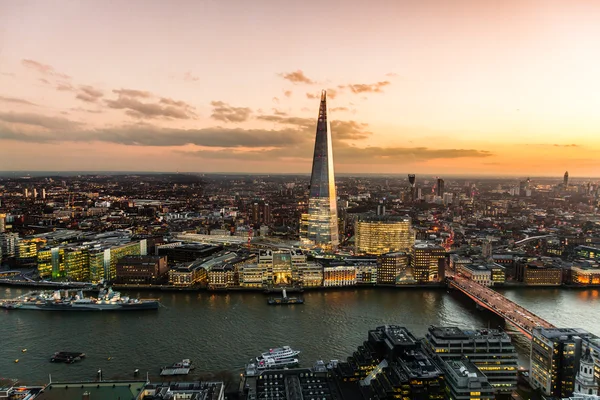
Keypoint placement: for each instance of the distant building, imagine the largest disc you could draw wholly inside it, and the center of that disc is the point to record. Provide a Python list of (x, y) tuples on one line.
[(178, 253), (588, 252), (490, 350), (182, 390), (188, 274), (366, 274), (585, 275), (221, 276), (383, 234), (555, 355), (477, 273), (310, 275), (439, 187), (145, 270)]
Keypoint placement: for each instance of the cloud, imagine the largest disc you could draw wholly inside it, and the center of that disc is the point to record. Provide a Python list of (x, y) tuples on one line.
[(349, 130), (89, 94), (275, 100), (64, 87), (14, 100), (188, 77), (44, 81), (44, 69), (133, 93), (38, 120), (312, 96), (226, 113), (366, 88), (297, 77), (391, 74), (566, 145), (279, 112), (339, 109), (86, 110), (128, 100), (331, 94), (287, 93), (401, 155)]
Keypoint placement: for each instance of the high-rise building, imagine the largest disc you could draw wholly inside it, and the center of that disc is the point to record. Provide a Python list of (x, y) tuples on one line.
[(2, 223), (439, 187), (427, 262), (566, 179), (555, 355), (383, 234), (490, 350), (412, 180), (322, 227)]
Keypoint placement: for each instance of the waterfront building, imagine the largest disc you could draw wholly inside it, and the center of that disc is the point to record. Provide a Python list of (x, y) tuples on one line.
[(366, 274), (585, 275), (310, 275), (251, 276), (428, 262), (280, 266), (457, 260), (588, 252), (383, 234), (339, 276), (555, 355), (99, 263), (144, 270), (182, 390), (538, 273), (27, 250), (464, 381), (394, 268), (490, 350), (76, 264), (188, 274), (92, 390), (51, 262), (322, 227), (137, 248), (220, 276), (477, 273)]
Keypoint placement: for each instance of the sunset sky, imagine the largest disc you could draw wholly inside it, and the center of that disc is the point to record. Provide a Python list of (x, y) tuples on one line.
[(429, 87)]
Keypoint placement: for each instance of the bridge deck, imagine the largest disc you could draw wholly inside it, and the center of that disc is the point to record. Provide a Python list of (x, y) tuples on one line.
[(518, 316)]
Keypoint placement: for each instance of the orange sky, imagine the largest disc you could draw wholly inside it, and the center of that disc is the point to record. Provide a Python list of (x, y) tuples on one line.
[(440, 87)]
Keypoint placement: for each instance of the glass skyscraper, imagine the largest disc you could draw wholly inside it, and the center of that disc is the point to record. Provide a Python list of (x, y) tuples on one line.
[(322, 229)]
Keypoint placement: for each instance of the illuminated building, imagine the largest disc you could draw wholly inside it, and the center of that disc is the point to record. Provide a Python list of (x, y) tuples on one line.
[(77, 265), (490, 350), (220, 276), (366, 274), (2, 227), (477, 273), (581, 275), (339, 276), (310, 275), (251, 276), (51, 263), (27, 250), (137, 248), (539, 274), (394, 268), (99, 264), (566, 179), (188, 274), (587, 252), (412, 180), (555, 354), (380, 234), (322, 228), (464, 381), (145, 270), (427, 261), (280, 266)]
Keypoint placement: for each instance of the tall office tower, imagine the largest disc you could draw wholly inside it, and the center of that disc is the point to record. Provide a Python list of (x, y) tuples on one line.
[(394, 268), (490, 350), (412, 180), (439, 187), (322, 201), (43, 193), (486, 248), (566, 179), (35, 193), (383, 234), (2, 223), (555, 357), (428, 262), (26, 192)]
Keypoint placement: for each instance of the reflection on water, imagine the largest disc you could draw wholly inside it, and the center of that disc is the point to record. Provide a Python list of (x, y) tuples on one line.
[(223, 331)]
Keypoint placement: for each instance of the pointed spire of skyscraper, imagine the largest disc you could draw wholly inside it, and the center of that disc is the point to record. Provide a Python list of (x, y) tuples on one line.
[(322, 203)]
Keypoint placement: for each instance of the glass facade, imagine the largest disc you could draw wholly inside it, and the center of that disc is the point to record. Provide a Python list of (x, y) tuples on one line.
[(380, 235), (322, 224)]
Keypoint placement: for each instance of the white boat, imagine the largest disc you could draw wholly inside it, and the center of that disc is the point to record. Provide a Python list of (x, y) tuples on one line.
[(271, 363), (279, 353)]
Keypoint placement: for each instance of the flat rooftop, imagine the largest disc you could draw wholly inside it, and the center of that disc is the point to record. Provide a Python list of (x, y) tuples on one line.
[(128, 390)]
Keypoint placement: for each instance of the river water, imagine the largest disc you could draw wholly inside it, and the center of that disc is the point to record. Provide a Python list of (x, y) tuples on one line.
[(221, 332)]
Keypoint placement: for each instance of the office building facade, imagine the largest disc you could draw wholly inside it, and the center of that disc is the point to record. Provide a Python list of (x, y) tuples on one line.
[(383, 234)]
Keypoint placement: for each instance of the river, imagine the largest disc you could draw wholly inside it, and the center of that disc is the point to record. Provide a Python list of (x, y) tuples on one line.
[(220, 332)]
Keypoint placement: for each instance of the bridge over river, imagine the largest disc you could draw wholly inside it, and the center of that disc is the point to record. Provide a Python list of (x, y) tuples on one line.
[(521, 318)]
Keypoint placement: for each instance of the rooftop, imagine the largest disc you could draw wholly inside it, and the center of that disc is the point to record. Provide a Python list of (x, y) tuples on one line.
[(128, 390)]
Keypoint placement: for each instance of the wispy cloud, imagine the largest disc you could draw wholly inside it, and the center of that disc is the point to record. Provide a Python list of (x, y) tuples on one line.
[(189, 77), (133, 93), (227, 113), (297, 77), (15, 100), (128, 100), (287, 93), (44, 69), (366, 87), (89, 94), (38, 120)]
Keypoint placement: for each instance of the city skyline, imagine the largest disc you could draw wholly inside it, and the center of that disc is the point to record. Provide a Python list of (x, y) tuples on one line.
[(472, 89)]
